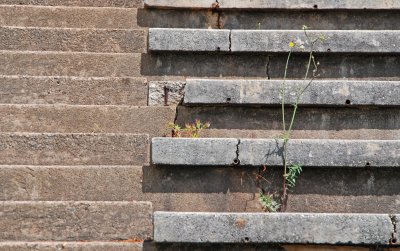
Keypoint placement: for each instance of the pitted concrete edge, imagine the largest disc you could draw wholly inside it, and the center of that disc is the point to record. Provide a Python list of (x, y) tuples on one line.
[(284, 4), (342, 41), (161, 39), (192, 151), (293, 228), (268, 92), (165, 93), (255, 152)]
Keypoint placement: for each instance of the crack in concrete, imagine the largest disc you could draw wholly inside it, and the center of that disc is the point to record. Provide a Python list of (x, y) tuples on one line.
[(393, 239), (236, 161), (230, 40), (268, 67)]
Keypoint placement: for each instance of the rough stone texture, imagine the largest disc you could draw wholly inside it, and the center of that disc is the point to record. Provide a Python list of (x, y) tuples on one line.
[(86, 119), (72, 39), (242, 65), (359, 229), (188, 40), (73, 90), (255, 152), (321, 153), (189, 151), (81, 3), (328, 119), (68, 17), (77, 64), (70, 246), (268, 92), (286, 4), (336, 41), (73, 149), (162, 93), (75, 221)]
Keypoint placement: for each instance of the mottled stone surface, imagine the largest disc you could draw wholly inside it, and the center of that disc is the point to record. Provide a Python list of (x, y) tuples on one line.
[(162, 93), (75, 221), (291, 228), (188, 40), (81, 3), (70, 246), (191, 151), (268, 92)]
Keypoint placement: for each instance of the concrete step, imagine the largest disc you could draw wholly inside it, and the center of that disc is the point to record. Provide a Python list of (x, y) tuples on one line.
[(268, 92), (81, 3), (71, 246), (258, 152), (86, 119), (73, 90), (332, 229), (200, 40), (73, 40), (75, 221), (78, 64), (73, 149), (262, 4), (68, 17)]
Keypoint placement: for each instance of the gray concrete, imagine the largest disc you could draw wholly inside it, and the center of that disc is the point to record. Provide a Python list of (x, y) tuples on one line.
[(190, 151), (188, 40), (302, 228), (284, 4), (349, 41), (255, 152), (75, 221), (268, 92), (165, 93)]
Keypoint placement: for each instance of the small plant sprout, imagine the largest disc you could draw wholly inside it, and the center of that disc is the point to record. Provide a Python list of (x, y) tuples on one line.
[(292, 171), (268, 202), (192, 130)]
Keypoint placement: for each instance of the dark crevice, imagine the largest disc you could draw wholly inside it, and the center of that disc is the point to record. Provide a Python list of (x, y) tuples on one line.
[(230, 41), (393, 239), (268, 67), (236, 161)]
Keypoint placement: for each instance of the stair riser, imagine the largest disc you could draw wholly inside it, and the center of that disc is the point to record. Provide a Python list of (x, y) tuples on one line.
[(68, 17), (75, 221), (70, 64), (73, 149), (70, 246), (86, 119), (73, 91), (81, 3)]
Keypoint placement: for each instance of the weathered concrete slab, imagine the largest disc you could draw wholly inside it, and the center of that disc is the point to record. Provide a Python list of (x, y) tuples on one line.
[(70, 246), (190, 151), (165, 93), (285, 4), (356, 229), (73, 149), (68, 17), (268, 92), (255, 152), (321, 153), (345, 41), (73, 39), (73, 90), (75, 221), (188, 40)]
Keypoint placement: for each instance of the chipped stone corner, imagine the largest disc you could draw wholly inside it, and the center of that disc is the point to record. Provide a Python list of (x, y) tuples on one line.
[(166, 93)]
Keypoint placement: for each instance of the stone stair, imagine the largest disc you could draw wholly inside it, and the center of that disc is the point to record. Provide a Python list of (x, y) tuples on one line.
[(340, 169)]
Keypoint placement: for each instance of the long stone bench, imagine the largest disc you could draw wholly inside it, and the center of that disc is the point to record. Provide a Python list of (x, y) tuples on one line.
[(271, 4), (268, 92), (254, 152), (292, 228), (343, 41)]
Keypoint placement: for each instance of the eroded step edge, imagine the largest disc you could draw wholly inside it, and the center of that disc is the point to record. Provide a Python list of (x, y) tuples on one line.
[(254, 152), (268, 92), (291, 228)]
